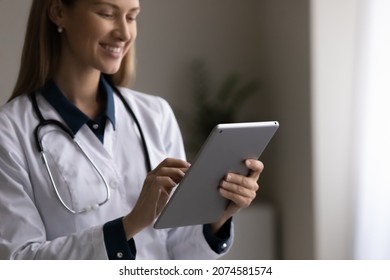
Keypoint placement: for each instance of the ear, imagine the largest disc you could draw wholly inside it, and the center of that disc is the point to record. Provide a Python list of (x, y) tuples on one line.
[(55, 12)]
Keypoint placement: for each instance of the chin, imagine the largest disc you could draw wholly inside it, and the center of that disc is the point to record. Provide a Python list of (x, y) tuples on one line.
[(109, 71)]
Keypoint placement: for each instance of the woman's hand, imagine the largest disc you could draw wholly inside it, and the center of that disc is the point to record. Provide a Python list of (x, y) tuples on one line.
[(240, 190), (155, 193)]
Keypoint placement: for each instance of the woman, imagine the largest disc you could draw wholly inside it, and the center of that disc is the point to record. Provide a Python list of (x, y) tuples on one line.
[(98, 197)]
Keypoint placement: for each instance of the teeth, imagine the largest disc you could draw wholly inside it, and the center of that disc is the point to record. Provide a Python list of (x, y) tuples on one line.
[(112, 49)]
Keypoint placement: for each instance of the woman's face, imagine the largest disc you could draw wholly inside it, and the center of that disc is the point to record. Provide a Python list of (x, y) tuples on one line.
[(98, 33)]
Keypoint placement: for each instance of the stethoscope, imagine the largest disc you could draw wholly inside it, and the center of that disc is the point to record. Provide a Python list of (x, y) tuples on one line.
[(52, 122)]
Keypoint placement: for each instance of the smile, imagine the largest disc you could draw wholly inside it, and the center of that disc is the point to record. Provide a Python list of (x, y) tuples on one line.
[(111, 49)]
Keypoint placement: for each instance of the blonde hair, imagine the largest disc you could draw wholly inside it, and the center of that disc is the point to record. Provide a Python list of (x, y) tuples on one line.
[(42, 50)]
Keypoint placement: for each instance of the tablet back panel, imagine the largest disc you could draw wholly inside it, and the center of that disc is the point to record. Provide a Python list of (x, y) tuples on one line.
[(196, 199)]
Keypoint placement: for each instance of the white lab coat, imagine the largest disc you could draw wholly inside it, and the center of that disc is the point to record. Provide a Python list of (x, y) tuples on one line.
[(33, 223)]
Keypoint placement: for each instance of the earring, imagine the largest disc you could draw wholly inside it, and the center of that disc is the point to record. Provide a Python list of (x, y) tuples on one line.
[(60, 29)]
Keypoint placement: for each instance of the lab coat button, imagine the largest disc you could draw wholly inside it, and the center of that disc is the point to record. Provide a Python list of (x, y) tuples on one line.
[(119, 255), (95, 126)]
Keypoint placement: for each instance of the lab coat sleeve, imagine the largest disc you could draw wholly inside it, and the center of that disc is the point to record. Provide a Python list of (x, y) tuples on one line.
[(186, 242), (22, 231)]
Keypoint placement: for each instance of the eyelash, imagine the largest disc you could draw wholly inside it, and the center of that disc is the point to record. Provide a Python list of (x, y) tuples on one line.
[(110, 16), (106, 15)]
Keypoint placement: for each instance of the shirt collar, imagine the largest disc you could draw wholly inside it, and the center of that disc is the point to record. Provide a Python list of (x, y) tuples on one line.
[(72, 116)]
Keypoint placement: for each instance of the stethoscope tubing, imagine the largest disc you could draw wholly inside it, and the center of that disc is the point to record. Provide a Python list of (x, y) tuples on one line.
[(46, 122)]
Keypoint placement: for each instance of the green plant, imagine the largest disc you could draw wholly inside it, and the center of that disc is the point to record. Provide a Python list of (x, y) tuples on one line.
[(220, 106)]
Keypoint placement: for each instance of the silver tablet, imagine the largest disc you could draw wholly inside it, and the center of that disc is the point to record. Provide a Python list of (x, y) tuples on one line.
[(196, 199)]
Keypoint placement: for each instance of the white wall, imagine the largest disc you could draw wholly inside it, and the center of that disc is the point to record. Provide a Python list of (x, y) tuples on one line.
[(333, 52)]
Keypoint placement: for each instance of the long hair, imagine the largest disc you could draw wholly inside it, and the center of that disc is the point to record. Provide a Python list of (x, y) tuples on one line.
[(42, 50)]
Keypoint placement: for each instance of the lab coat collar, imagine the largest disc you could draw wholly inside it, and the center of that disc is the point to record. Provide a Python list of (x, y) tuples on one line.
[(72, 116)]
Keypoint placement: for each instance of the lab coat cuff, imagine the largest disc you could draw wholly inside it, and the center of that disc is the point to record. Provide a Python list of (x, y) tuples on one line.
[(117, 246), (218, 242)]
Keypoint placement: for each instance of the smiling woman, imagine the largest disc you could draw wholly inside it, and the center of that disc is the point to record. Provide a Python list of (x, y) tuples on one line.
[(111, 156), (41, 57)]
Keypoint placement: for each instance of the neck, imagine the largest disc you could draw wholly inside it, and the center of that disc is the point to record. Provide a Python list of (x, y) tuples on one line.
[(81, 89)]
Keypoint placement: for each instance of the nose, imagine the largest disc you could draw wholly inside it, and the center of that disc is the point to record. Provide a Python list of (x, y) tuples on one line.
[(124, 30)]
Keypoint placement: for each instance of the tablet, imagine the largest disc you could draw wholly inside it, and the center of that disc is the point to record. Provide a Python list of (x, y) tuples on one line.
[(196, 199)]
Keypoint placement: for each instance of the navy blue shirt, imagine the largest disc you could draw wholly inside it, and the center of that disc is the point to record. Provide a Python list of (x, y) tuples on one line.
[(73, 117), (117, 245)]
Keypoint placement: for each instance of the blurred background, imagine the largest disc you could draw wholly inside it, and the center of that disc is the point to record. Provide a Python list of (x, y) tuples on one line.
[(319, 67)]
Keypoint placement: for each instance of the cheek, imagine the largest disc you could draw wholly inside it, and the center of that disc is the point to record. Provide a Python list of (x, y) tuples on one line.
[(86, 29), (80, 37), (134, 30)]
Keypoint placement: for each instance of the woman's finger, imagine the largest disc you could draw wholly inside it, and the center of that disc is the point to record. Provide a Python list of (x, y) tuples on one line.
[(240, 200), (235, 182), (255, 167)]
